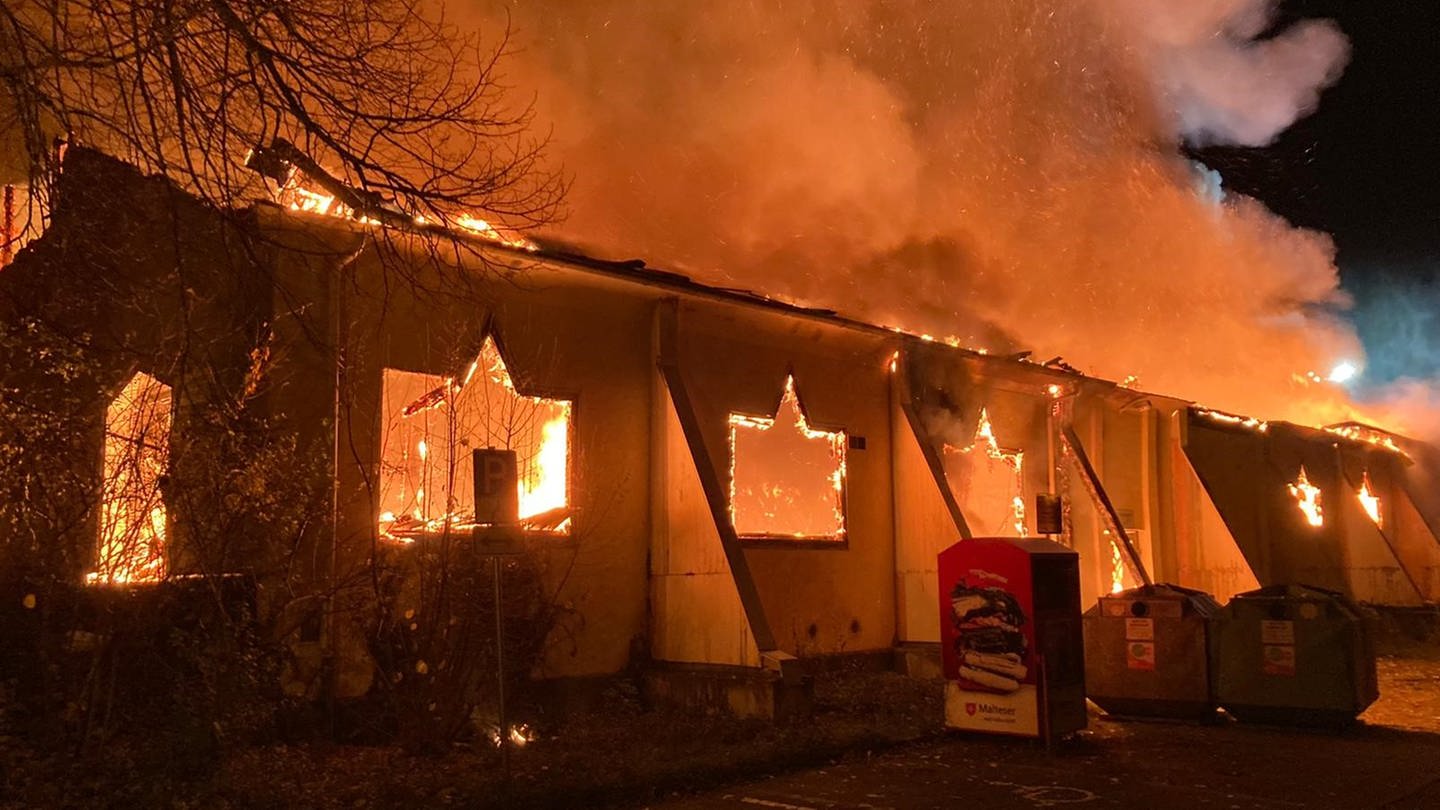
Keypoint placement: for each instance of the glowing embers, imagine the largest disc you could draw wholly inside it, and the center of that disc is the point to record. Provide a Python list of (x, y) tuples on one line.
[(300, 192), (787, 478), (132, 511), (1231, 419), (433, 423), (1307, 498), (1365, 433), (993, 475), (1369, 501)]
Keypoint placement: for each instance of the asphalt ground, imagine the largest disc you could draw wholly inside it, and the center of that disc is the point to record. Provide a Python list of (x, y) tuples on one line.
[(1391, 759)]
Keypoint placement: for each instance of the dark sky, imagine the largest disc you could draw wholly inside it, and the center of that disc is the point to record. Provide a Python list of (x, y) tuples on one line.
[(1366, 168)]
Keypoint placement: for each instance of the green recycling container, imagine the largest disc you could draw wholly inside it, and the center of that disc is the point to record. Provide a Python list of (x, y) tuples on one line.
[(1294, 654), (1147, 653)]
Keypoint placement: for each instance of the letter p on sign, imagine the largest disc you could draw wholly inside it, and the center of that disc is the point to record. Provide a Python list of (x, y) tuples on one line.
[(497, 488)]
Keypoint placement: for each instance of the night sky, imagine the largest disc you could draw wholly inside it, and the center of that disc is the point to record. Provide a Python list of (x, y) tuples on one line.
[(1366, 168)]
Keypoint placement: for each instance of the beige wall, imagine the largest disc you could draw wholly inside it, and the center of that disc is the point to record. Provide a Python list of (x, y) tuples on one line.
[(818, 598), (696, 614), (644, 568), (560, 337)]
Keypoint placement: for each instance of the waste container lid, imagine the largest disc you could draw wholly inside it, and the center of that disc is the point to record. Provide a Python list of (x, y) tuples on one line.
[(1292, 591), (1295, 592), (1199, 601)]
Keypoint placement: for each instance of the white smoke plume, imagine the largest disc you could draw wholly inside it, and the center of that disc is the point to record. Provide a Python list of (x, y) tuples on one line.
[(1224, 73), (1005, 172)]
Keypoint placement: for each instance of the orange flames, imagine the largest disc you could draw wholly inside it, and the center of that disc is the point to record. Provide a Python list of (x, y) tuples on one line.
[(426, 478), (481, 228), (296, 194), (132, 512), (1369, 501), (1013, 459), (1117, 565), (1307, 497), (1231, 419), (787, 483), (1364, 433)]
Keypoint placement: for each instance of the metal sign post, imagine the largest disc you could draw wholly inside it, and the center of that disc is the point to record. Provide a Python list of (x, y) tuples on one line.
[(497, 535)]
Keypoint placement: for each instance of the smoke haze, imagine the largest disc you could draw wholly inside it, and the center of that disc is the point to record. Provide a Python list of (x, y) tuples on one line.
[(1003, 172)]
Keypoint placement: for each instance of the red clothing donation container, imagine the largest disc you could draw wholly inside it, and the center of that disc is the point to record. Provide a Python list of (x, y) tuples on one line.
[(1010, 634)]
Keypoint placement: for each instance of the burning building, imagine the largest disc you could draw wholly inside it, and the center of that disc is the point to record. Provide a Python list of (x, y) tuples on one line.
[(717, 483)]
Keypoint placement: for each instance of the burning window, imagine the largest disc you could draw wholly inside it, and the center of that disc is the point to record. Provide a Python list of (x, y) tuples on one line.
[(993, 476), (433, 423), (1307, 498), (132, 509), (1369, 501), (787, 478)]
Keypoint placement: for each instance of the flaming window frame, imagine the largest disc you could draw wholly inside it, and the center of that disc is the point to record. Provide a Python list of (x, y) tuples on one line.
[(1372, 505), (123, 444), (837, 435), (570, 399), (1309, 500), (1012, 457)]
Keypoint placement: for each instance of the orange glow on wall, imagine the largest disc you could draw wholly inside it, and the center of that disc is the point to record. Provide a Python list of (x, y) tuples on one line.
[(132, 511), (990, 477), (787, 478), (432, 424)]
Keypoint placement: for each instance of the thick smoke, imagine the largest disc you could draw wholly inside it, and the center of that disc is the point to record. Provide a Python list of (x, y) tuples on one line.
[(1003, 172)]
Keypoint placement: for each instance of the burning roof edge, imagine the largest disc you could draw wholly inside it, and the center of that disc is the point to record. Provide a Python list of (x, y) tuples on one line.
[(638, 271)]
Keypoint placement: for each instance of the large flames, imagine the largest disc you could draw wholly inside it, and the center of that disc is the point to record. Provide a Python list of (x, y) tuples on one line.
[(787, 482), (1307, 498), (132, 510), (432, 424), (1370, 502)]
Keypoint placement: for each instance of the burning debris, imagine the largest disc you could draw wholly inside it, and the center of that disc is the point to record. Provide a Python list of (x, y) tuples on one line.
[(432, 425), (1368, 434), (132, 507), (1232, 419), (787, 477)]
